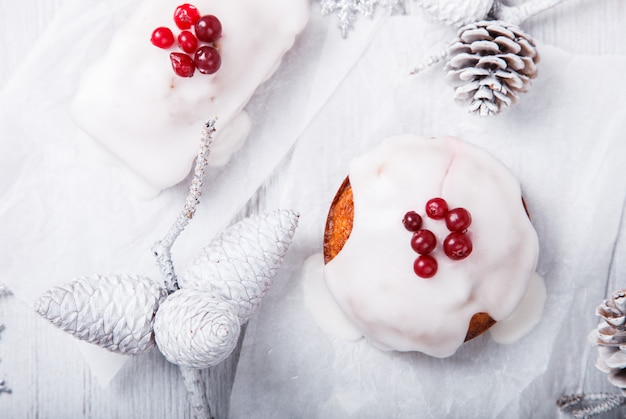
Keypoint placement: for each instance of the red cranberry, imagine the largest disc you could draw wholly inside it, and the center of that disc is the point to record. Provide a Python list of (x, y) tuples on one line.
[(208, 28), (425, 266), (458, 219), (457, 245), (186, 15), (207, 59), (187, 42), (162, 37), (182, 64), (437, 208), (423, 241), (412, 221)]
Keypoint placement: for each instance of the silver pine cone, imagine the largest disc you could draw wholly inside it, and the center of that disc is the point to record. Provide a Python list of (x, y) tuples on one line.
[(610, 337), (490, 64), (195, 329), (112, 311), (240, 265)]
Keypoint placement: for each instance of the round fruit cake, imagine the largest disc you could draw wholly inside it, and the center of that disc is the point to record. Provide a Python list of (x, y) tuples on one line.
[(427, 244)]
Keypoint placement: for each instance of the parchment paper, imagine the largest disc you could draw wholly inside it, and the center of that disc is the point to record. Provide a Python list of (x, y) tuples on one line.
[(63, 213), (565, 142)]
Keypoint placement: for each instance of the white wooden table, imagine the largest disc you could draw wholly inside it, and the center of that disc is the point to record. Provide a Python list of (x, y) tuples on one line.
[(50, 381)]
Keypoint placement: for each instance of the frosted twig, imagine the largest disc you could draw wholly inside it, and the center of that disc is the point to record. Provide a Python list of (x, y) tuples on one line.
[(162, 248), (584, 406), (196, 393), (432, 60)]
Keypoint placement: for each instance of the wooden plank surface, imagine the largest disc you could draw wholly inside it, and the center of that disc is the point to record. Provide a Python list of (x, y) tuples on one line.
[(50, 381)]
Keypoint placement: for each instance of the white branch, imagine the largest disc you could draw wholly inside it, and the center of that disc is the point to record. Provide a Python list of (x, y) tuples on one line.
[(198, 401), (162, 248)]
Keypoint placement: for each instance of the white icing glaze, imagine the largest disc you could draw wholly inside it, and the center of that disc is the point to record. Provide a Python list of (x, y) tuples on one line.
[(372, 277), (133, 104), (320, 303), (526, 315)]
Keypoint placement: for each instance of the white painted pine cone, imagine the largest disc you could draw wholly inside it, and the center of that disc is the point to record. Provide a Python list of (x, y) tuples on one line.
[(195, 329), (457, 12), (112, 311), (490, 64), (610, 337), (240, 265)]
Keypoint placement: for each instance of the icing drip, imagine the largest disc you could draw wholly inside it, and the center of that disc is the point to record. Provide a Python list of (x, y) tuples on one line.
[(526, 315), (320, 303), (133, 104), (372, 277), (328, 316)]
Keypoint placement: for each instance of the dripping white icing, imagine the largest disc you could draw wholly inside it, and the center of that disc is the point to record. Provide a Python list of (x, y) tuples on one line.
[(320, 303), (526, 315), (372, 277), (133, 104)]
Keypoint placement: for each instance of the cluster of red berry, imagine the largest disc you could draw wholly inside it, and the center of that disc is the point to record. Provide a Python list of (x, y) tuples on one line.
[(207, 28), (457, 245)]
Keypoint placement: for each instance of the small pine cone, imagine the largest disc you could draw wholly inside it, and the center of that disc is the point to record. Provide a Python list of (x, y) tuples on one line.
[(457, 12), (195, 329), (240, 265), (114, 312), (610, 337), (490, 64)]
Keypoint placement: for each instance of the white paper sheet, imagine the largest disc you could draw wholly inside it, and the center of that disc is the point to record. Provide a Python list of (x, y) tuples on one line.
[(63, 213), (565, 141)]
